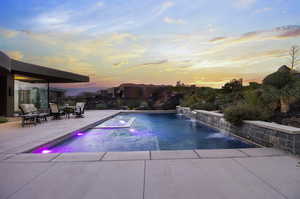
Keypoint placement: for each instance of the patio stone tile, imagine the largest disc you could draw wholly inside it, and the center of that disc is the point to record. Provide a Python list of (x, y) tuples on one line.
[(128, 155), (280, 172), (178, 154), (203, 178), (15, 139), (220, 153), (32, 157), (85, 156), (257, 152), (14, 176), (25, 147), (109, 180)]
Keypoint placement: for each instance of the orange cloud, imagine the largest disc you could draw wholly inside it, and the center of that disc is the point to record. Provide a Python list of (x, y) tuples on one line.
[(15, 54), (8, 33), (295, 32), (283, 32), (217, 39)]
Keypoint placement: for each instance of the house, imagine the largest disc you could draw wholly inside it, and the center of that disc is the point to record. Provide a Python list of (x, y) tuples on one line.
[(22, 82), (137, 91)]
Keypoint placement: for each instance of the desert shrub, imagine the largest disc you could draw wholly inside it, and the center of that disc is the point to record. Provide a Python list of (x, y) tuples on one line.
[(132, 104), (224, 101), (236, 114), (253, 97), (143, 106), (190, 100), (205, 106), (253, 85), (203, 98), (3, 120), (233, 86), (101, 106)]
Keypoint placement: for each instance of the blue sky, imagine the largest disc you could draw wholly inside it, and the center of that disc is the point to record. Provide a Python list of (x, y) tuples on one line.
[(203, 42)]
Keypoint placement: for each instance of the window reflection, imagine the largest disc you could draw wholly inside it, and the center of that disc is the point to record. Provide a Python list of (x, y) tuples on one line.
[(30, 91)]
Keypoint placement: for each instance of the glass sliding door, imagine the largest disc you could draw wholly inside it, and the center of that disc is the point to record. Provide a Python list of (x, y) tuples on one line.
[(30, 91)]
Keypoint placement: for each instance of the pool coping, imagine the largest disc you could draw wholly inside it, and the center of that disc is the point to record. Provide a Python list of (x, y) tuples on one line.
[(68, 135), (167, 155)]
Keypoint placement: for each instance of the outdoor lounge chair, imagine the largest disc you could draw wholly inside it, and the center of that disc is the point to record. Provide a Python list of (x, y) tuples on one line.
[(55, 112), (79, 109), (31, 115)]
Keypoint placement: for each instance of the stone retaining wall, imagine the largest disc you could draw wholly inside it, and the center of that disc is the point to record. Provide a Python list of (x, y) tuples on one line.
[(264, 133)]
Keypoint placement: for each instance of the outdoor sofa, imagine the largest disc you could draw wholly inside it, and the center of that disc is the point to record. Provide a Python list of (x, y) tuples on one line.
[(31, 115)]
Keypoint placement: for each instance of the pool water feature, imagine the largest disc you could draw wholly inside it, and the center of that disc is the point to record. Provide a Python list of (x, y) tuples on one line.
[(147, 132), (118, 121)]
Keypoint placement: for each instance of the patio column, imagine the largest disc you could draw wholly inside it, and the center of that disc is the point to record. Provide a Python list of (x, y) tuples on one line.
[(7, 94)]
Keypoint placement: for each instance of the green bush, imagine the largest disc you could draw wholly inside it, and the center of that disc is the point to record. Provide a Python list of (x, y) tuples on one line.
[(101, 106), (236, 114), (205, 106), (132, 104), (233, 86), (3, 120)]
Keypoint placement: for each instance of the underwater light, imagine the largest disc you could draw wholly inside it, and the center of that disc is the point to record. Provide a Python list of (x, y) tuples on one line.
[(79, 134), (132, 130), (122, 122), (46, 151)]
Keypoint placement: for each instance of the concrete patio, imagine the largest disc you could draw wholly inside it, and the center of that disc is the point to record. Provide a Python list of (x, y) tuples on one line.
[(192, 174)]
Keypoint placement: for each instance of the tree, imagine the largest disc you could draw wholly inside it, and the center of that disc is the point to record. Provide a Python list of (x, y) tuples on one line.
[(285, 86), (294, 56), (280, 78), (254, 85), (233, 86)]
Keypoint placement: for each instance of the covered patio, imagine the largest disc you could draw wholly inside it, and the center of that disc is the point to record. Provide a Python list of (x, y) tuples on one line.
[(27, 83)]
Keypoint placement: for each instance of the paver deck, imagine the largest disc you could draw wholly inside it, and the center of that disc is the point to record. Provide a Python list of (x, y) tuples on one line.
[(259, 173)]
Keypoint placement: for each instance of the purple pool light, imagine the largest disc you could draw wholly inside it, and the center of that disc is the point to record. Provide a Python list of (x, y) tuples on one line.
[(132, 130), (45, 151), (79, 134)]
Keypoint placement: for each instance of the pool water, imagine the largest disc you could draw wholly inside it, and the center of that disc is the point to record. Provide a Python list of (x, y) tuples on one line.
[(147, 132)]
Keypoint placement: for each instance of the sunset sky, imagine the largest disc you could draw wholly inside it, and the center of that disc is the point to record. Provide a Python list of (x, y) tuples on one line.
[(202, 42)]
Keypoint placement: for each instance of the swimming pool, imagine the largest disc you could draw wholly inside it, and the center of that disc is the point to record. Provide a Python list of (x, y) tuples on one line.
[(145, 131)]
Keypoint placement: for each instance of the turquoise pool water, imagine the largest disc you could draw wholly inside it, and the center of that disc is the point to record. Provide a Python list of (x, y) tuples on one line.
[(140, 132)]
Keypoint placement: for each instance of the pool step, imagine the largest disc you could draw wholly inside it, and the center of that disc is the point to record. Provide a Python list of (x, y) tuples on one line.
[(126, 125)]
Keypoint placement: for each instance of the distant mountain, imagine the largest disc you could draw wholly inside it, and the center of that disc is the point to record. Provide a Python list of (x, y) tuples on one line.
[(77, 91)]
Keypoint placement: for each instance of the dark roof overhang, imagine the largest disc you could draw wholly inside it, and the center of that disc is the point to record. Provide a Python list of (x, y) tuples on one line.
[(4, 62), (48, 74)]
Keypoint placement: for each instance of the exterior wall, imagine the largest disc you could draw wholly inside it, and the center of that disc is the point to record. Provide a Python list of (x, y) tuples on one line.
[(7, 95), (264, 133), (10, 95)]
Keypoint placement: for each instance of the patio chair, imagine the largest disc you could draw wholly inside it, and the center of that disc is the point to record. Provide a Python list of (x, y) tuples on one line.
[(55, 112), (79, 109), (31, 115), (41, 115)]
